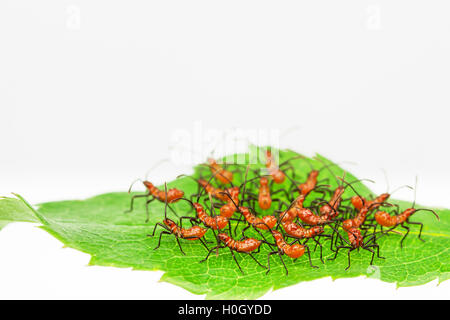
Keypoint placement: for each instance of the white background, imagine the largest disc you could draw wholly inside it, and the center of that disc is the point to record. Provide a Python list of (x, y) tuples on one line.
[(91, 93)]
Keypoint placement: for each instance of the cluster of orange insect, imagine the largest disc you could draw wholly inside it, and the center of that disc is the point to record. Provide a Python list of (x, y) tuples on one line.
[(291, 224)]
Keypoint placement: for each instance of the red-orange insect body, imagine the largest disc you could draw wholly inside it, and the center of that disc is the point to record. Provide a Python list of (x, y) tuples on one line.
[(221, 174), (289, 215), (310, 218), (270, 161), (331, 210), (351, 226), (357, 221), (277, 175), (247, 245), (173, 195), (378, 201), (228, 209), (292, 213), (365, 207), (310, 183), (296, 231), (217, 222), (358, 202), (264, 198), (234, 192), (192, 233), (386, 220), (264, 223), (294, 251), (215, 192), (355, 237)]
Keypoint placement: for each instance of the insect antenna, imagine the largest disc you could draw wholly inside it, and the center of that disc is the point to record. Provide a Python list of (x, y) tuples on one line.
[(245, 183), (383, 233), (185, 199), (404, 186), (396, 189), (430, 210), (147, 173), (165, 200), (327, 166), (297, 157), (253, 179), (415, 192), (339, 182), (154, 167), (204, 187), (131, 186), (186, 176), (295, 183), (422, 209), (349, 184)]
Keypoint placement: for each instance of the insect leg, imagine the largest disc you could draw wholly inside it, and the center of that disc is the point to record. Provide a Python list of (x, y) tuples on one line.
[(173, 211), (406, 234), (268, 260), (160, 236), (147, 214), (290, 167), (243, 231), (349, 252), (154, 229), (420, 231), (373, 254), (251, 255), (191, 219), (320, 246), (378, 250), (282, 261), (280, 203), (179, 244), (286, 194), (204, 244), (237, 224), (132, 200), (309, 256), (232, 253), (209, 252)]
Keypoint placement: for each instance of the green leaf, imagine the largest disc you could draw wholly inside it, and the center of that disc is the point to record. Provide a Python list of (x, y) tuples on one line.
[(13, 210), (99, 227)]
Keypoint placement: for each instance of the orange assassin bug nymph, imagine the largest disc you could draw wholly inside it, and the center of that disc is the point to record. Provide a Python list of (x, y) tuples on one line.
[(192, 233)]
